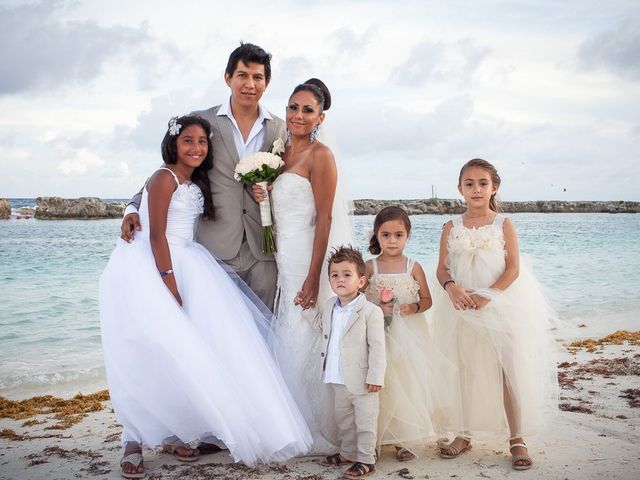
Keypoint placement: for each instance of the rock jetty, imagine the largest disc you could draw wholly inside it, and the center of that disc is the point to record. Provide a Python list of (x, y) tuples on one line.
[(5, 209), (439, 206), (56, 208)]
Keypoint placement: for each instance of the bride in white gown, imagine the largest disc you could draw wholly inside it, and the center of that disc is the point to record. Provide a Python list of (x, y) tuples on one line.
[(310, 218)]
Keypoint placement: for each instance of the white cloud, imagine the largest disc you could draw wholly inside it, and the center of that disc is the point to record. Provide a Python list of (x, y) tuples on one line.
[(616, 50), (547, 90), (80, 163)]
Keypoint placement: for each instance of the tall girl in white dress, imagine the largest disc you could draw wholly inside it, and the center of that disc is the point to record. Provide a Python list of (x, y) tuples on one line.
[(309, 219), (185, 358), (493, 323)]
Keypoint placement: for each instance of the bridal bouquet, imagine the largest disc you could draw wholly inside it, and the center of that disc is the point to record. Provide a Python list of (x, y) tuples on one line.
[(262, 168)]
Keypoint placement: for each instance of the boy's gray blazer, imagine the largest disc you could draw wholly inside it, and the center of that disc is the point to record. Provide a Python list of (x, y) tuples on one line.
[(362, 349)]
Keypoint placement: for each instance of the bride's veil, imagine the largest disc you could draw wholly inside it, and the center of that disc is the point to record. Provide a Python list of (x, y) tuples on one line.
[(342, 232)]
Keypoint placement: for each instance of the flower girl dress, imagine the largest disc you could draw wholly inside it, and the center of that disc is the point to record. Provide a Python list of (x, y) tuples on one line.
[(504, 345), (196, 371), (413, 398)]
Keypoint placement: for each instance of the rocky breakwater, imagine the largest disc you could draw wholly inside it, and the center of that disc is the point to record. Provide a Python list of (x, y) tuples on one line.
[(5, 209), (56, 208), (439, 206)]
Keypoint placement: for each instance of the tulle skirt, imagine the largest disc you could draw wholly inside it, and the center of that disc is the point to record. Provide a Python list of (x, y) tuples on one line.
[(505, 380), (415, 395), (197, 371)]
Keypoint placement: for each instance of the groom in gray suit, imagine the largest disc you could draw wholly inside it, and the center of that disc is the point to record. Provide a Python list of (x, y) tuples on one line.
[(240, 127)]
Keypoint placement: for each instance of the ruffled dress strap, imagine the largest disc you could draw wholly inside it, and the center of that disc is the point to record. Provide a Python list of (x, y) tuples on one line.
[(410, 263), (498, 221), (457, 221), (374, 264)]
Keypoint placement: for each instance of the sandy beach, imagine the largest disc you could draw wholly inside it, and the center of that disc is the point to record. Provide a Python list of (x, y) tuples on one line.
[(596, 434)]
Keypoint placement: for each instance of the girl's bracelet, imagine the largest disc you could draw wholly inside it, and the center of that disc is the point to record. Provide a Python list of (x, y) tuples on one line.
[(166, 272), (444, 285), (417, 304)]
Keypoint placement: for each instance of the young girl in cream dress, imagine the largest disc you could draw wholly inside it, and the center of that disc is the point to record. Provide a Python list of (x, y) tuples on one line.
[(491, 320), (411, 402)]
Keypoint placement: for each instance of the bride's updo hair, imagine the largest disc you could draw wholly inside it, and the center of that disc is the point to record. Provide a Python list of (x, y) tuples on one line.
[(319, 91), (387, 214)]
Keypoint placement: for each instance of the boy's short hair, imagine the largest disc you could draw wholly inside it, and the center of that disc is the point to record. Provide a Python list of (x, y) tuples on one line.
[(347, 254)]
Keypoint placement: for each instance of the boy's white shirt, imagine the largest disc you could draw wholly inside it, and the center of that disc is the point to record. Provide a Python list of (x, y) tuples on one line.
[(364, 362), (340, 316)]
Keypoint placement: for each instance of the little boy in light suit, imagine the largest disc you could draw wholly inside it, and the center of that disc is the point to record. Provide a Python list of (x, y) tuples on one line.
[(354, 361)]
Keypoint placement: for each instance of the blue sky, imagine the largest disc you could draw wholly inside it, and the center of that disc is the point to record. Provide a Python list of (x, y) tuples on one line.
[(549, 91)]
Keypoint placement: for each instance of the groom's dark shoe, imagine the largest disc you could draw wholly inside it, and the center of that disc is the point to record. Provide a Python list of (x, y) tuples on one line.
[(208, 448)]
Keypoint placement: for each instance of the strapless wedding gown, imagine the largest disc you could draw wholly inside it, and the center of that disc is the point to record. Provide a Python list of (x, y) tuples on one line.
[(198, 370), (298, 343)]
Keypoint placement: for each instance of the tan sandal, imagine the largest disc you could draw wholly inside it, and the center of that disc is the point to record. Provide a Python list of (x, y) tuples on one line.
[(520, 458), (449, 451), (173, 450), (404, 454), (135, 460)]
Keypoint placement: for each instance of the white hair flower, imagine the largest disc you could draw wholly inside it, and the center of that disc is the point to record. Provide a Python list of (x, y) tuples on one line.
[(174, 126)]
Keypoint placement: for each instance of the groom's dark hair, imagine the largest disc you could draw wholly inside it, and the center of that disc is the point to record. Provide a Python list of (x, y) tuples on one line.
[(249, 53), (347, 253)]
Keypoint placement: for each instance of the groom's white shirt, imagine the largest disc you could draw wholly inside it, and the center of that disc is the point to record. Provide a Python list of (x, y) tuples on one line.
[(255, 140)]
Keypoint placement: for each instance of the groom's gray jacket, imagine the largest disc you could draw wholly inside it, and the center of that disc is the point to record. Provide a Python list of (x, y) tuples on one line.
[(236, 211)]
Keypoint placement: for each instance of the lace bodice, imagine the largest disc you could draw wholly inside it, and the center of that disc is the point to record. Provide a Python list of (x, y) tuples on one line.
[(187, 204), (405, 287), (476, 255), (294, 208)]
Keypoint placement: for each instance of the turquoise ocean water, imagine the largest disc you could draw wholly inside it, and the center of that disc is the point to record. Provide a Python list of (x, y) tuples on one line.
[(49, 271)]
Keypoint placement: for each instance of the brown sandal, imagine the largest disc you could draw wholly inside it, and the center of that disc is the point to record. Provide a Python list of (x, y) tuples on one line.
[(208, 448), (359, 470), (334, 460)]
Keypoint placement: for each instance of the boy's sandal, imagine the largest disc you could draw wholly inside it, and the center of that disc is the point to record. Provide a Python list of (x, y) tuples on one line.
[(334, 460), (359, 470), (173, 450), (135, 460), (449, 451), (404, 455), (524, 460)]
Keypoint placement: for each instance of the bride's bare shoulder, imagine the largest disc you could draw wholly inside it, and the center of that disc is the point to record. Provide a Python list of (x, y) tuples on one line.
[(322, 156)]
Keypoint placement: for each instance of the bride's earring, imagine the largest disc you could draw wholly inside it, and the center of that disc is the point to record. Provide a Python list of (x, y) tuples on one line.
[(288, 134), (314, 134)]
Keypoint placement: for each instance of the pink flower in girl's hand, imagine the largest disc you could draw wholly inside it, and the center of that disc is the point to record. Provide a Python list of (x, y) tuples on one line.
[(386, 295)]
